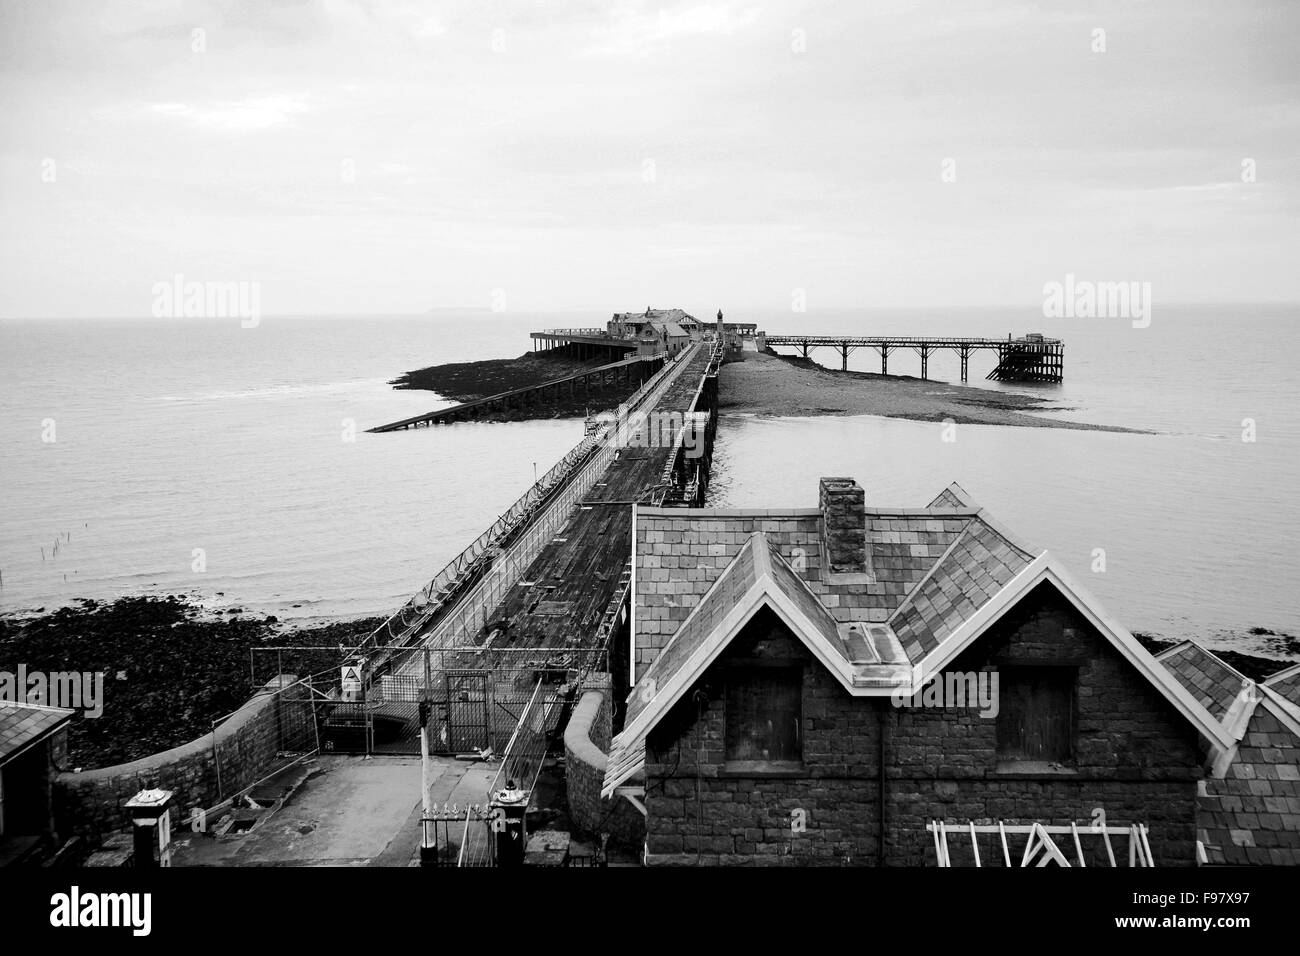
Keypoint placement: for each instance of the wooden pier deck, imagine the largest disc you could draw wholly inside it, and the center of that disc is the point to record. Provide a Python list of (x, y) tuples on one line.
[(565, 592), (1031, 357)]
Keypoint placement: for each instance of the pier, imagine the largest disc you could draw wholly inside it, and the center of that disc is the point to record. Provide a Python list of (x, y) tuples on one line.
[(540, 599), (583, 343), (1030, 358)]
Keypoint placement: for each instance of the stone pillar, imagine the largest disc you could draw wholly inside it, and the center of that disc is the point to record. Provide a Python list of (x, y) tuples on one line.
[(151, 828), (844, 525)]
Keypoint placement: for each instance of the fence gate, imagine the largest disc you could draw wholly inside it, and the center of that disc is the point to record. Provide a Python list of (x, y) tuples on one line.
[(466, 706), (344, 726)]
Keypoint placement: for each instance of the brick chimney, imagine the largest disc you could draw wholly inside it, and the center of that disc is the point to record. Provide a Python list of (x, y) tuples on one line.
[(844, 525)]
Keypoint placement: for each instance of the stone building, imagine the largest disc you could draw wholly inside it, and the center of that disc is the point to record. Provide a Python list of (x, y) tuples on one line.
[(33, 738), (1248, 810), (841, 684)]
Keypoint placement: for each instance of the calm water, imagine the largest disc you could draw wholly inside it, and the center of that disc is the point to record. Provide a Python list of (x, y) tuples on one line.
[(180, 435)]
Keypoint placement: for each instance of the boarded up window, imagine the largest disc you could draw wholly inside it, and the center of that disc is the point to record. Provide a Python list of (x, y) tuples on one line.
[(1036, 714), (763, 714)]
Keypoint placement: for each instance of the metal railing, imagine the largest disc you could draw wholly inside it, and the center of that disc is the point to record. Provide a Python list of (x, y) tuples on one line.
[(542, 511), (521, 764)]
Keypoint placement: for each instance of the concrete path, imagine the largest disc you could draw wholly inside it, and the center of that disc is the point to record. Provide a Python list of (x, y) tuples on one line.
[(346, 811)]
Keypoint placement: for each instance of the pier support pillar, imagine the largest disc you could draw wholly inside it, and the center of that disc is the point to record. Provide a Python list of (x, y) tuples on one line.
[(925, 362), (844, 356)]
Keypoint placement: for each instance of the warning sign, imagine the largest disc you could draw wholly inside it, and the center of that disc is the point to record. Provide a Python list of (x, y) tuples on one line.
[(351, 681)]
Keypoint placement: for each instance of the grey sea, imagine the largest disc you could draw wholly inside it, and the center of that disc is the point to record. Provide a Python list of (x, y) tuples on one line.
[(231, 464)]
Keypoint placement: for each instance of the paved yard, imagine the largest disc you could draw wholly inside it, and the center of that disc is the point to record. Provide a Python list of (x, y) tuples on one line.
[(344, 811)]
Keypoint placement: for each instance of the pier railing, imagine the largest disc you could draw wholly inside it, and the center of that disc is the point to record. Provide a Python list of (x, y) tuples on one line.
[(476, 580), (508, 566)]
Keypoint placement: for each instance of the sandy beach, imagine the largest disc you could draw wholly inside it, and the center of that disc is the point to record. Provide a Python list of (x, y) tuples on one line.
[(769, 384)]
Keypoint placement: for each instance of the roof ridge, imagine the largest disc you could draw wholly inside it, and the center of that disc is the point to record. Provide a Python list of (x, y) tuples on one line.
[(1283, 674), (35, 706), (1021, 545)]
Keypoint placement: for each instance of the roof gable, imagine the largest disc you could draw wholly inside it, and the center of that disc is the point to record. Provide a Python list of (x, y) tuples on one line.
[(1045, 568), (757, 577)]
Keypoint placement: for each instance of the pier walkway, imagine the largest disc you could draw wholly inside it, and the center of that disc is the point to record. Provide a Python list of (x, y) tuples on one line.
[(541, 594), (1031, 357)]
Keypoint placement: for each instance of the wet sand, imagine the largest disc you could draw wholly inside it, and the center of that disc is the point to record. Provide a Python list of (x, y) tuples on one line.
[(769, 384)]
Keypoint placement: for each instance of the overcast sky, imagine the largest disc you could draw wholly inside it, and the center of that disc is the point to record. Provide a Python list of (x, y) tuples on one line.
[(371, 157)]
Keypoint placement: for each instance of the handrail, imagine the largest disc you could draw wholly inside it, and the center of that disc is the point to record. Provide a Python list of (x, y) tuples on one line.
[(901, 340), (536, 510)]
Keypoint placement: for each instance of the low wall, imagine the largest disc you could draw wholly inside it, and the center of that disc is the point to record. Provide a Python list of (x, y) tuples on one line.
[(586, 743), (201, 773)]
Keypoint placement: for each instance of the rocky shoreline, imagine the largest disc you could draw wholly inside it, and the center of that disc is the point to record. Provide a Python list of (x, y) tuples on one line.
[(170, 668), (469, 381)]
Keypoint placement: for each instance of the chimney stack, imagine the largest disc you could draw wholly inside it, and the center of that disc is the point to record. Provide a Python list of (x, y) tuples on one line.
[(844, 525)]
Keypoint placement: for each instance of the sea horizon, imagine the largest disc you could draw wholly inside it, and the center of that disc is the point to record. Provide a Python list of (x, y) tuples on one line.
[(246, 387)]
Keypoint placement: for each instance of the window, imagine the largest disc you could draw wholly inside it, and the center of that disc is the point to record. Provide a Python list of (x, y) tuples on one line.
[(763, 719), (1036, 715)]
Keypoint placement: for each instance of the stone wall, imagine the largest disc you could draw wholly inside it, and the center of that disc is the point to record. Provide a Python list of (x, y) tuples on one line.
[(1136, 760), (202, 773), (586, 748)]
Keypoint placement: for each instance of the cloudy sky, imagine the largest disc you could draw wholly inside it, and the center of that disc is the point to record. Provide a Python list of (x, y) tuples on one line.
[(378, 157)]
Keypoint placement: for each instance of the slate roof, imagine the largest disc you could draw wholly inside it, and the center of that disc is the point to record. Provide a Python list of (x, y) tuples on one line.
[(1287, 683), (738, 577), (977, 565), (22, 725), (1212, 682), (1252, 814), (680, 553), (1248, 810)]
